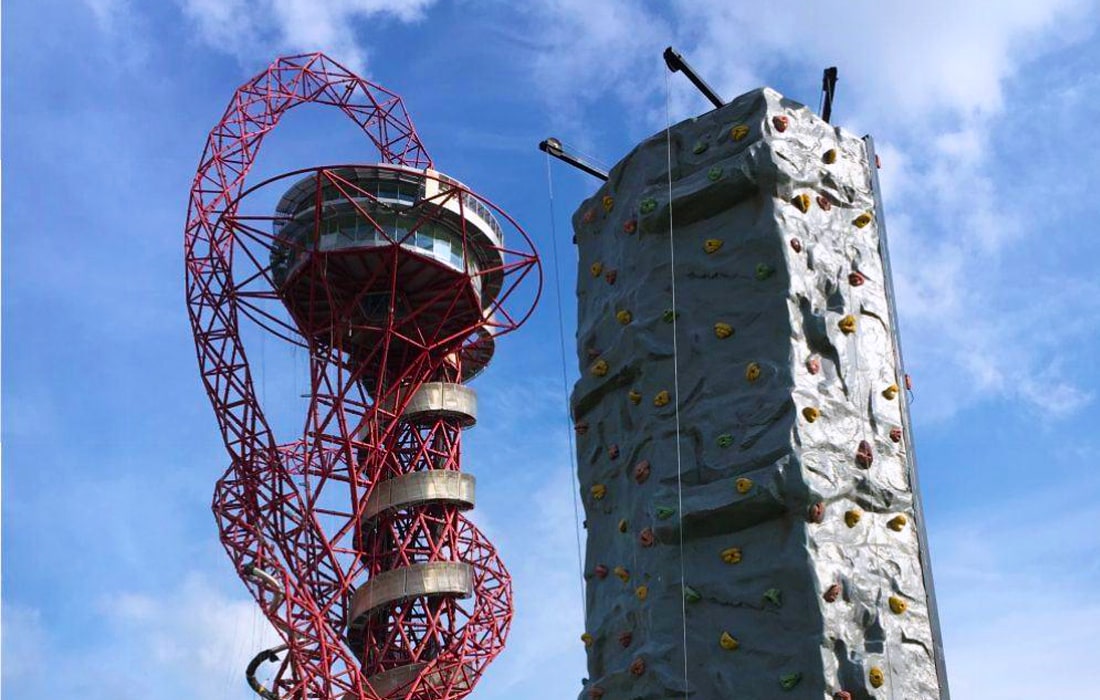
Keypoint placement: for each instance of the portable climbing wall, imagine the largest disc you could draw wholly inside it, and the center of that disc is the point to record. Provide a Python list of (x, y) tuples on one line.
[(743, 448)]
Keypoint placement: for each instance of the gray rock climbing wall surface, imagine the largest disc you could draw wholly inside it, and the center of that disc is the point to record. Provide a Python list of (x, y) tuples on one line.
[(794, 509)]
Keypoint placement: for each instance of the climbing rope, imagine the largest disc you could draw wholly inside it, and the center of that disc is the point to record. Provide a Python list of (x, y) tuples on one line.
[(676, 377), (574, 479)]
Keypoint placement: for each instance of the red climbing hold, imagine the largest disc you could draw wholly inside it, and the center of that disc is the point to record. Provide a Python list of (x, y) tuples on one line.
[(638, 667), (630, 226), (842, 695), (824, 202), (895, 434), (864, 455), (641, 471), (908, 383), (581, 427), (796, 245), (813, 365), (613, 452), (817, 512), (611, 276), (831, 593), (625, 638), (780, 123), (595, 693), (646, 538), (601, 571), (856, 279)]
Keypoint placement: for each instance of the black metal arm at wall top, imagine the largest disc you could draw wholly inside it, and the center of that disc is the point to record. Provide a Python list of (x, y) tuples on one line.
[(553, 147), (676, 63)]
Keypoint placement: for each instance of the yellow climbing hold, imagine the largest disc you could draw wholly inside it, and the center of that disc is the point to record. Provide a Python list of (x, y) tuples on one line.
[(622, 573), (752, 372), (739, 132), (811, 414), (596, 269), (802, 201), (744, 485), (711, 245), (624, 317), (829, 156), (862, 220), (848, 324), (623, 525), (600, 368), (723, 330), (897, 605), (876, 676), (608, 202), (897, 523), (635, 397), (598, 491), (661, 399), (727, 642), (587, 639), (851, 518), (891, 392), (641, 592), (732, 555)]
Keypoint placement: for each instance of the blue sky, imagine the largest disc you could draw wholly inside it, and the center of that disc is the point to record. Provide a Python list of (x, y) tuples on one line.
[(985, 113)]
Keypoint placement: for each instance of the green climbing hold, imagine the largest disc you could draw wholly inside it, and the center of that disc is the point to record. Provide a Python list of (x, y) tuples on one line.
[(669, 315), (664, 512), (774, 596), (789, 680), (648, 204), (764, 271), (700, 146), (714, 173), (725, 440), (691, 595)]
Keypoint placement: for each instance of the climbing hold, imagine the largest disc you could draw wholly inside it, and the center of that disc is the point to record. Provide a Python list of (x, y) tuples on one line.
[(878, 162), (622, 573), (829, 156), (842, 695), (752, 371), (813, 364), (635, 397), (664, 512), (630, 226), (646, 538), (700, 146), (581, 427), (764, 271), (669, 315), (723, 330), (816, 513), (587, 639), (897, 523), (662, 398), (824, 202), (890, 392), (610, 276), (862, 220), (608, 202), (613, 452), (714, 173), (724, 440), (908, 383), (847, 324), (624, 317), (728, 642), (831, 593), (623, 525), (625, 638), (739, 132), (600, 571), (780, 123), (851, 518), (641, 471), (802, 201), (856, 279), (595, 693), (691, 595), (596, 268), (600, 368), (593, 353), (774, 596), (598, 491), (865, 456), (641, 592), (711, 245), (895, 434), (811, 414), (744, 485), (796, 245), (897, 605), (732, 555), (876, 677), (589, 216), (789, 680), (638, 667), (647, 205)]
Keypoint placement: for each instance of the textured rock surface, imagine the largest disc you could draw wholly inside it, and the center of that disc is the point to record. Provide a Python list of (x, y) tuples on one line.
[(768, 487)]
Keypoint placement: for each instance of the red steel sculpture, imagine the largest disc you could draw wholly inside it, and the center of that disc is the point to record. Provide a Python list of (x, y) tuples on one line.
[(395, 280)]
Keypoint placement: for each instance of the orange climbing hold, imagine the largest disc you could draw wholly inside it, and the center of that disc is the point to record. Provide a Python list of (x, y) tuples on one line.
[(641, 592), (598, 491), (624, 317), (596, 269), (732, 555), (890, 392), (897, 523), (635, 397), (599, 368), (802, 201), (744, 485), (587, 639), (622, 573), (662, 398), (829, 156), (847, 324), (608, 202), (897, 605), (712, 245), (876, 676), (752, 371), (623, 525), (728, 642), (862, 220), (739, 132), (811, 414), (852, 517), (723, 330)]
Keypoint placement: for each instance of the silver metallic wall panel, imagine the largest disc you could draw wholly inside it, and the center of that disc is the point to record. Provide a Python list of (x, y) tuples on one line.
[(801, 549), (427, 579), (414, 488)]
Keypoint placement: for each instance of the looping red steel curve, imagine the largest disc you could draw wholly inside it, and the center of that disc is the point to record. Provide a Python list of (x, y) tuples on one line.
[(396, 279)]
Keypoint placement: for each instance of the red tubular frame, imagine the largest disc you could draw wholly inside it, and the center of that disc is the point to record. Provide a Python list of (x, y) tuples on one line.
[(283, 508)]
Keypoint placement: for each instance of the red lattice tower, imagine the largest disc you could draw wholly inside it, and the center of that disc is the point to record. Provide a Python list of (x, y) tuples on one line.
[(396, 280)]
